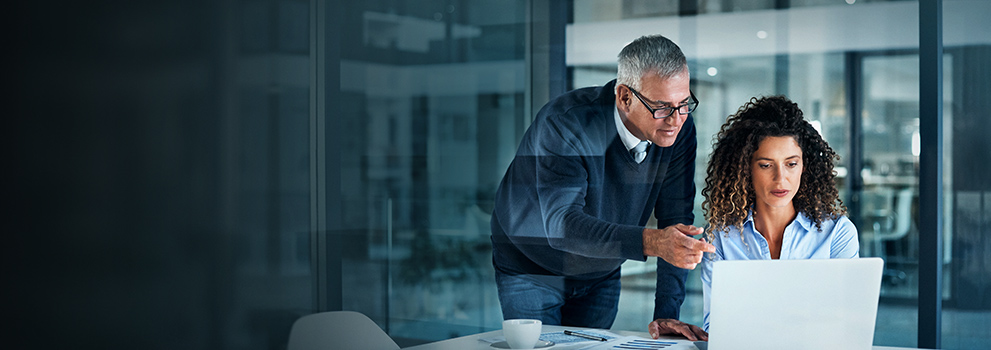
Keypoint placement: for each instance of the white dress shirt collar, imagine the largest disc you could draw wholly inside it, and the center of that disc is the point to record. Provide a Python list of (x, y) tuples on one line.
[(625, 135)]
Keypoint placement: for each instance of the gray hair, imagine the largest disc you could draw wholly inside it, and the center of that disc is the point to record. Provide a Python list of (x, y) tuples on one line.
[(649, 54)]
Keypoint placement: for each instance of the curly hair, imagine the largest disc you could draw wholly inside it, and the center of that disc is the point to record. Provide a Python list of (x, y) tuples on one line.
[(729, 191)]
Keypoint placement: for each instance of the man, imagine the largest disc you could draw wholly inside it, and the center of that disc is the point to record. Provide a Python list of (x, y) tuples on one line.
[(574, 203)]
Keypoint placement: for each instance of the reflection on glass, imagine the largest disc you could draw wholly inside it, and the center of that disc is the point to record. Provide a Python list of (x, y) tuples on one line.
[(890, 119), (435, 98), (267, 184)]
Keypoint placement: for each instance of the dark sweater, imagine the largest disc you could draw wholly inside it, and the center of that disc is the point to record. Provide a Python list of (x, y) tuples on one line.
[(574, 202)]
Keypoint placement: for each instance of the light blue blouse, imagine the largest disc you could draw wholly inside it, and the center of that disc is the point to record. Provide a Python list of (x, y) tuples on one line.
[(838, 239)]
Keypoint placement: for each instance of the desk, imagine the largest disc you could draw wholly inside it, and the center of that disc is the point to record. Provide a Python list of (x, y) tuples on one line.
[(469, 342)]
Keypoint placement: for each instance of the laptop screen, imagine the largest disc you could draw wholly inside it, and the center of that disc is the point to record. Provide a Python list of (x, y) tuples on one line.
[(794, 304)]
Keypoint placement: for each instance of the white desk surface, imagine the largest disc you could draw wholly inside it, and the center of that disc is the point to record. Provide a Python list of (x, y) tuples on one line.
[(472, 341)]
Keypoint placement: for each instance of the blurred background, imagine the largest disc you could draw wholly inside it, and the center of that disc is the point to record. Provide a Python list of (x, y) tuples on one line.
[(199, 175)]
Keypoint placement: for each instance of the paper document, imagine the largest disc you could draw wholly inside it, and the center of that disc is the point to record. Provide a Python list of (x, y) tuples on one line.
[(638, 343), (560, 337)]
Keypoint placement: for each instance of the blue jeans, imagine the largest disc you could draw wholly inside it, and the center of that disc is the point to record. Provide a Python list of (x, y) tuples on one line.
[(558, 300)]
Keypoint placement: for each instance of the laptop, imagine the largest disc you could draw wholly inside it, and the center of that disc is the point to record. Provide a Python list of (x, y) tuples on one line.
[(794, 304)]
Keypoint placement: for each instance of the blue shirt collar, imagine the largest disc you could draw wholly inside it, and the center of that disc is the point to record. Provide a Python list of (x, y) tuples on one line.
[(801, 218)]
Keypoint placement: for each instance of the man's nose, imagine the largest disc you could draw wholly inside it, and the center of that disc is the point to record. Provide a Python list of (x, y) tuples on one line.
[(676, 119)]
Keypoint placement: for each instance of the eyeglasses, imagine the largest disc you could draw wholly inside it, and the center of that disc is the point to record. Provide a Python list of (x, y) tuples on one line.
[(664, 112)]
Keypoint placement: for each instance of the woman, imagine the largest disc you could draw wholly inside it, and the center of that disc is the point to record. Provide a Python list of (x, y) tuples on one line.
[(770, 193)]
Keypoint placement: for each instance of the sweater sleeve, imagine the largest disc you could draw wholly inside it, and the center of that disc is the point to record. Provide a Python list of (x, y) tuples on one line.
[(565, 154), (669, 293)]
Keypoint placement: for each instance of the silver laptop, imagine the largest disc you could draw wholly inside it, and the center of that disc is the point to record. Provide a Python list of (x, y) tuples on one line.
[(794, 304)]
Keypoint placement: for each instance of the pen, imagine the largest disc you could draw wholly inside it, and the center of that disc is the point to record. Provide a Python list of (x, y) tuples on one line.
[(586, 336)]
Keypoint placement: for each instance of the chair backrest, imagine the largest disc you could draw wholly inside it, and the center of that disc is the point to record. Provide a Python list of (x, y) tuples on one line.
[(903, 218), (335, 330), (900, 220)]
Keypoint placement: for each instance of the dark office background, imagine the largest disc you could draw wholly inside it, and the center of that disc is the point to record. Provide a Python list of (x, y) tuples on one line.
[(118, 238), (132, 186)]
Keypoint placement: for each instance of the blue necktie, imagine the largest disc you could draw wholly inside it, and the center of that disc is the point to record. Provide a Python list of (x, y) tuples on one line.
[(639, 151)]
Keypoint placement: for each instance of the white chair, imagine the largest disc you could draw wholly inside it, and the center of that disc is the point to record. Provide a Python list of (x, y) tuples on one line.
[(338, 330), (878, 216), (902, 219), (891, 224)]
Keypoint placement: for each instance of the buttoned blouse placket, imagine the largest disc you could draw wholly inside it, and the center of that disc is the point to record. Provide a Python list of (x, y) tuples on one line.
[(760, 244)]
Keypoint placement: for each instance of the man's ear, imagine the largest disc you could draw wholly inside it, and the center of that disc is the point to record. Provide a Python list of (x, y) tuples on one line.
[(623, 98)]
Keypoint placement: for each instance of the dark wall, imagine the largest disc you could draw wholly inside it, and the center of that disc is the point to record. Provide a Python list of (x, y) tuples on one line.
[(116, 239)]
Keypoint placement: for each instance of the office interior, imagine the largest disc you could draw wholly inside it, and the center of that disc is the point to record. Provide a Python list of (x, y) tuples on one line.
[(199, 175)]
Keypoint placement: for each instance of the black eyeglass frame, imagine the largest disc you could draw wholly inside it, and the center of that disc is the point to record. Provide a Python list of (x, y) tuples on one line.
[(692, 105)]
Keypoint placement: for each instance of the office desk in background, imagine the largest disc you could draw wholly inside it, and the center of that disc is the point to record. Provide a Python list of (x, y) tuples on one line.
[(470, 342)]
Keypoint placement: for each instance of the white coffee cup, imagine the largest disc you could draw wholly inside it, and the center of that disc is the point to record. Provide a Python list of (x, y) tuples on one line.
[(521, 333)]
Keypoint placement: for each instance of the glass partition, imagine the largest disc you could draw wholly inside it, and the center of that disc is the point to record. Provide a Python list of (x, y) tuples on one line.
[(435, 97), (266, 172), (887, 197), (966, 319)]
